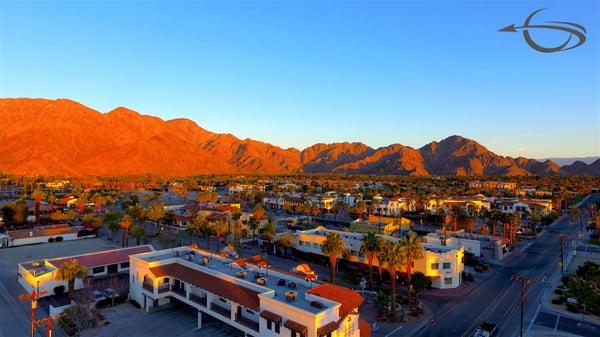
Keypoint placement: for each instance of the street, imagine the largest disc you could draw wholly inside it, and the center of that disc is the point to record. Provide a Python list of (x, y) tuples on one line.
[(497, 299)]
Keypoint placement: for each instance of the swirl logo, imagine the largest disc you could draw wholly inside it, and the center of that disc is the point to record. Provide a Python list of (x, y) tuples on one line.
[(574, 30)]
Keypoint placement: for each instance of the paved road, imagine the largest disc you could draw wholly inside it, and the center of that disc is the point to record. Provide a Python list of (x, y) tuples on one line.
[(496, 300)]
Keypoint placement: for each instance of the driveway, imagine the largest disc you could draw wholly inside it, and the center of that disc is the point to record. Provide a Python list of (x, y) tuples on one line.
[(176, 321)]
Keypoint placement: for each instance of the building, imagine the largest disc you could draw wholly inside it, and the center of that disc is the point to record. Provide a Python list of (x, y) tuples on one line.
[(478, 203), (488, 247), (41, 274), (493, 185), (392, 206), (43, 234), (441, 264), (246, 294), (520, 206)]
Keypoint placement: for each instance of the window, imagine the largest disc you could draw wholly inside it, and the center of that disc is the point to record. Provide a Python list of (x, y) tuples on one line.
[(446, 265), (448, 280), (269, 324), (435, 266), (125, 265), (98, 270)]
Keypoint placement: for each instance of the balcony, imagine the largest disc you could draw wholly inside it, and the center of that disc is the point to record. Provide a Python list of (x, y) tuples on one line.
[(163, 289), (220, 310), (248, 323), (197, 299), (148, 287), (180, 292)]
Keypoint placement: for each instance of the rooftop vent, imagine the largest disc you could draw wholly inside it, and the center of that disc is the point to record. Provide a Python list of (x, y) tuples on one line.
[(291, 295), (316, 304)]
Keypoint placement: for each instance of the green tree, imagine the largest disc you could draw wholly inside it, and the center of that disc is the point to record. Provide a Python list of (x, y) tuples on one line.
[(412, 249), (392, 257), (69, 271), (333, 246), (138, 233), (371, 245), (420, 283)]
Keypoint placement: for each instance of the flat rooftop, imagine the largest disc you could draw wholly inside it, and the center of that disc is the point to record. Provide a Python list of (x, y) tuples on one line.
[(229, 267)]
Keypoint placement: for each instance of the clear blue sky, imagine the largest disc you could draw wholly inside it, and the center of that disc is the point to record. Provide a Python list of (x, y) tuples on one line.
[(297, 73)]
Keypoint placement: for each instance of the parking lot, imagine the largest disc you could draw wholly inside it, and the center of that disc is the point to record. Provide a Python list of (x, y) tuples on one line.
[(14, 320), (176, 321)]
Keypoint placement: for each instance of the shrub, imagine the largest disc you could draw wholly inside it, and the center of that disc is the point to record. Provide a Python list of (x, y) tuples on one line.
[(558, 292), (135, 304), (478, 269), (59, 290), (59, 238), (50, 240), (557, 301)]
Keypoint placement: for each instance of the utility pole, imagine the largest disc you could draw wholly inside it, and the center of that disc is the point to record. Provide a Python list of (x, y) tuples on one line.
[(33, 297), (562, 253), (525, 281)]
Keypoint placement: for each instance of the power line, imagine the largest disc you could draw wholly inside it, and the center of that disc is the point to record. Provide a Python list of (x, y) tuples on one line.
[(525, 282)]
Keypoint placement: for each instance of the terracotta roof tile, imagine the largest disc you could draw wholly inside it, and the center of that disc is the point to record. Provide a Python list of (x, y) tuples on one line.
[(348, 298), (213, 284), (105, 257)]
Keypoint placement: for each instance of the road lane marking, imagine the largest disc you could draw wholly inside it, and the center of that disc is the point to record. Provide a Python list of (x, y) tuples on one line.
[(398, 328)]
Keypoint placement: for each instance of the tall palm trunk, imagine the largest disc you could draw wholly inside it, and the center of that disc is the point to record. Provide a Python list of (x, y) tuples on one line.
[(71, 286), (409, 279), (393, 304), (370, 261), (207, 241), (218, 236), (332, 265)]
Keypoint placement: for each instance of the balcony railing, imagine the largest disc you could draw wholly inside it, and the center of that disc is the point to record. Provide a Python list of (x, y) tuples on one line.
[(149, 287), (247, 322), (198, 299), (163, 289), (220, 310)]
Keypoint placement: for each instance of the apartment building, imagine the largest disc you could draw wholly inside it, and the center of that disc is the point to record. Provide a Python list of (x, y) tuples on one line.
[(246, 294), (493, 185), (392, 206), (442, 264), (543, 206), (478, 202)]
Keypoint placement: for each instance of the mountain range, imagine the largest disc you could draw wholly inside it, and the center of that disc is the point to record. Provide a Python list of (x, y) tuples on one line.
[(63, 137)]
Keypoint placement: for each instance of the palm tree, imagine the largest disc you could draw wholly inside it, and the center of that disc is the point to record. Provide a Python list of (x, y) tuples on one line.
[(205, 229), (37, 195), (371, 245), (412, 249), (333, 246), (138, 233), (286, 240), (219, 228), (156, 212), (419, 283), (193, 228), (111, 222), (69, 271), (80, 203), (391, 255), (237, 227), (126, 222), (99, 201)]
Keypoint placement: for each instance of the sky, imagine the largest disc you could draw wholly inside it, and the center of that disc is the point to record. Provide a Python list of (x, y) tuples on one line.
[(295, 73)]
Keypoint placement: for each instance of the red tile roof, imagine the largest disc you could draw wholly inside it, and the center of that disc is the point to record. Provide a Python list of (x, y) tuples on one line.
[(348, 298), (105, 257), (293, 325), (210, 283)]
